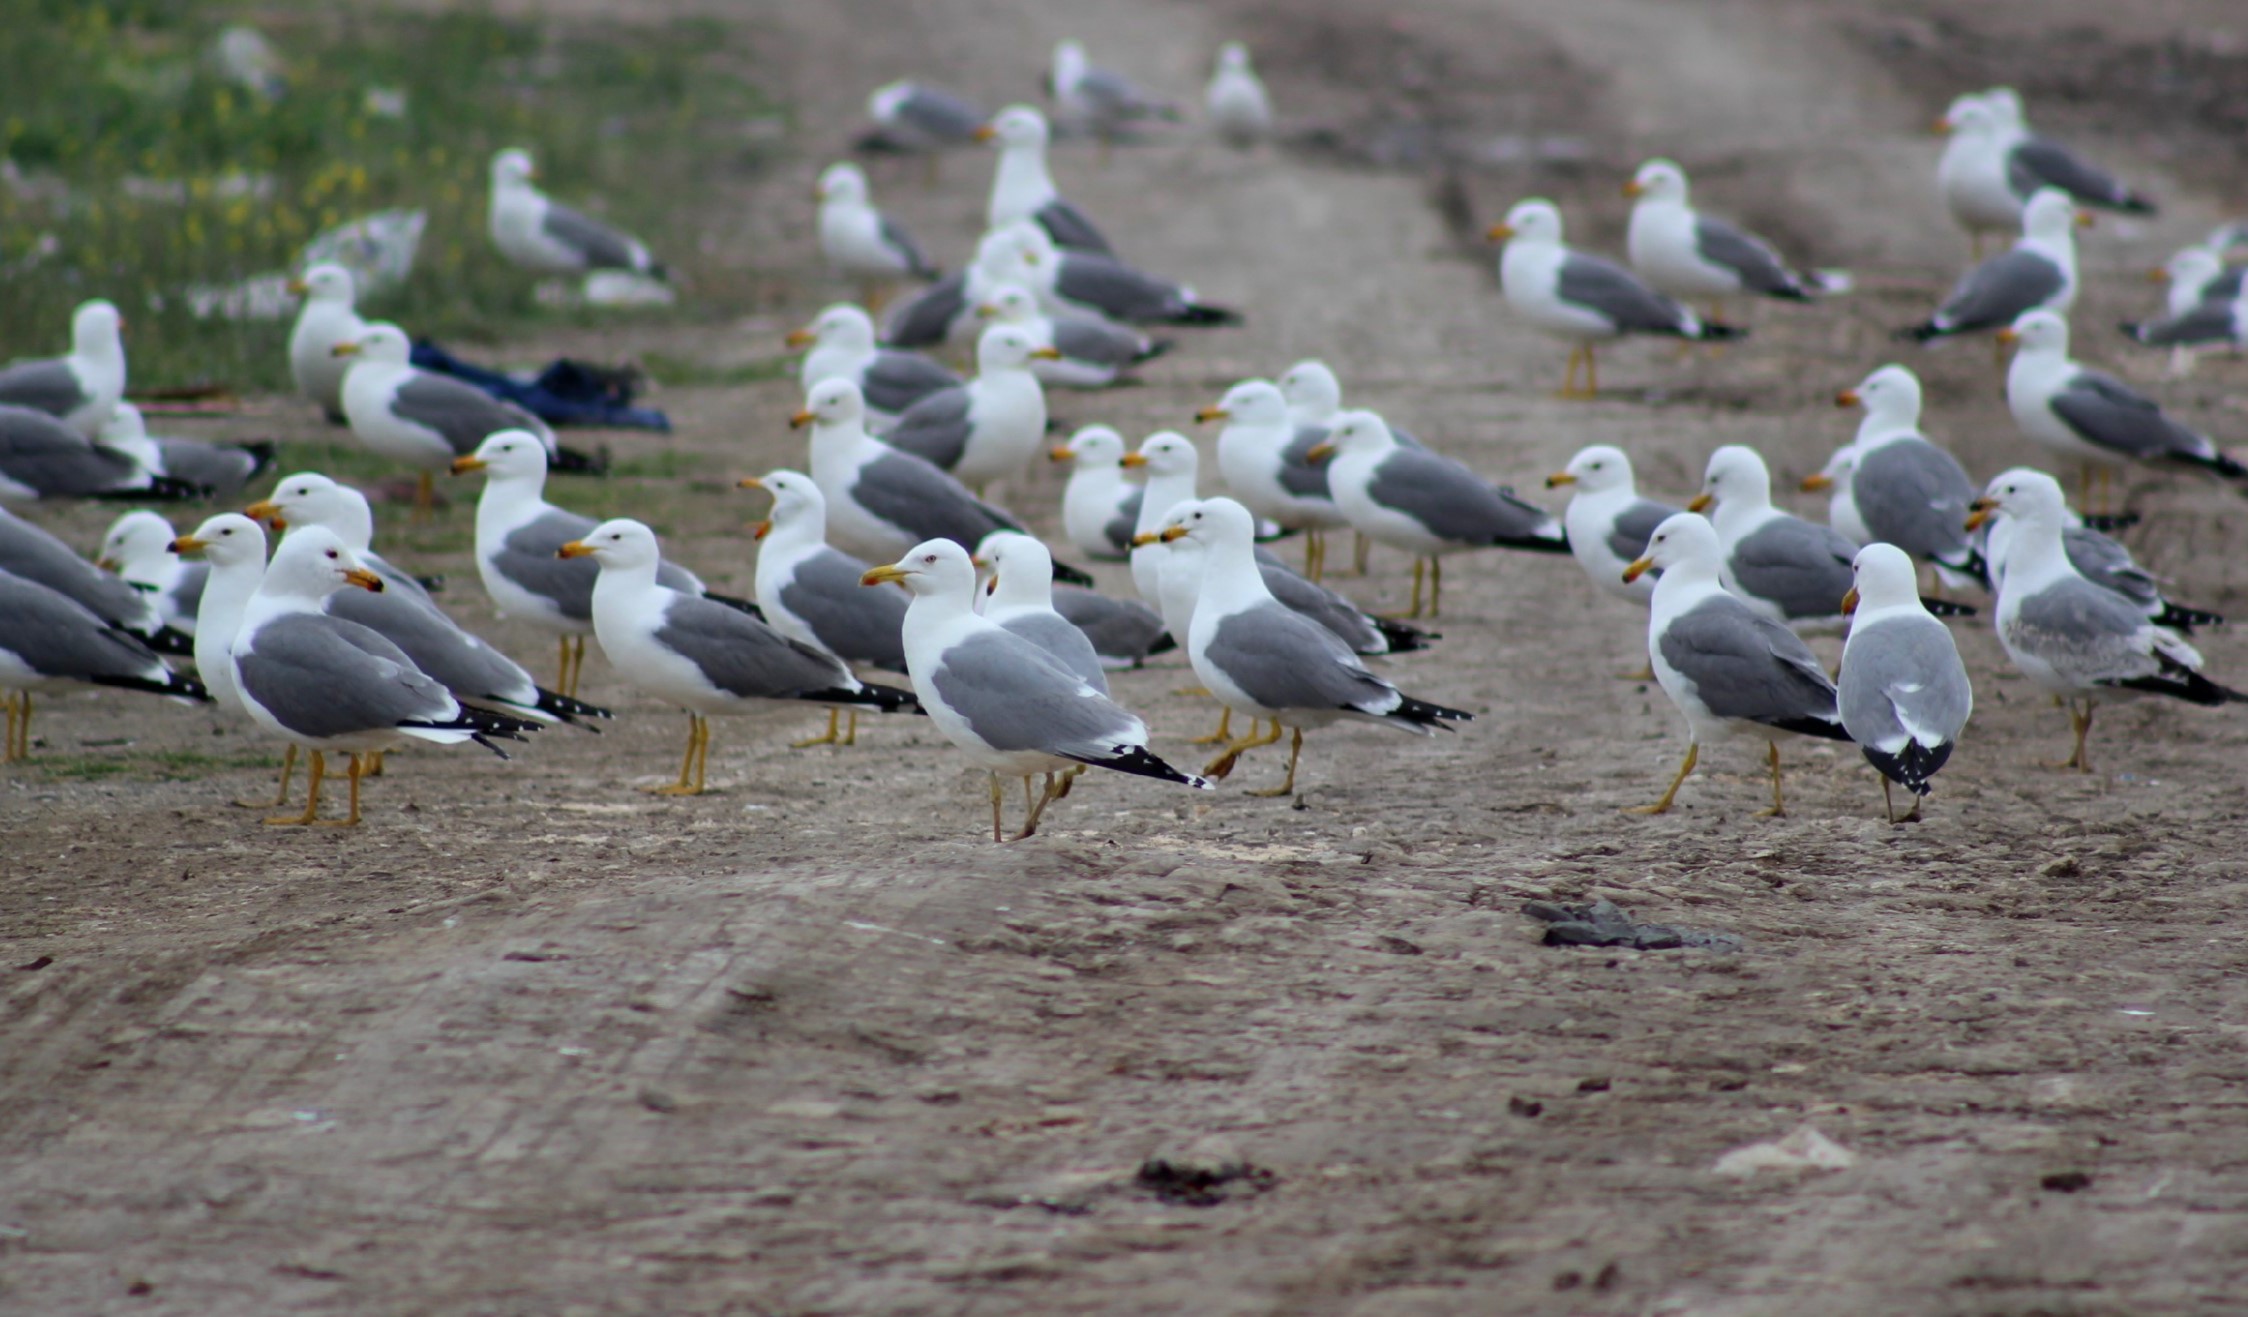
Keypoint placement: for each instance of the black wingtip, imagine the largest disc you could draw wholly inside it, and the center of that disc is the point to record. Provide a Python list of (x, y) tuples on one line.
[(1156, 347), (1948, 607), (2134, 203), (1139, 761), (1069, 575), (167, 489), (431, 584), (1403, 637), (567, 709), (1198, 315), (887, 699), (2108, 523), (1713, 332), (1827, 727), (167, 640), (577, 462), (1912, 768), (2135, 330), (1534, 543), (738, 605), (2221, 465), (1163, 644), (1920, 333), (2182, 683), (263, 453), (2177, 617), (1427, 714)]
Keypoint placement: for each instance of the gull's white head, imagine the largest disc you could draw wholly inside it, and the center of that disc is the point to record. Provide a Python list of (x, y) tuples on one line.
[(1969, 115), (1683, 547), (1735, 477), (1250, 402), (1009, 347), (95, 330), (331, 284), (1022, 571), (831, 405), (844, 182), (1093, 447), (124, 425), (1890, 396), (1010, 304), (1016, 127), (2027, 495), (1212, 522), (1069, 63), (621, 542), (309, 499), (2041, 332), (315, 563), (1535, 221), (1233, 55), (512, 168), (226, 540), (2051, 216), (797, 500), (932, 568), (2191, 266), (1658, 180), (1883, 577), (1310, 387), (1355, 432), (137, 537), (1166, 453), (380, 342), (2005, 106), (844, 324), (505, 455), (1595, 469)]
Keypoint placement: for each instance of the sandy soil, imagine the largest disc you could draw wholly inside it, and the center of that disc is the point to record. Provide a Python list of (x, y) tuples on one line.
[(532, 1042)]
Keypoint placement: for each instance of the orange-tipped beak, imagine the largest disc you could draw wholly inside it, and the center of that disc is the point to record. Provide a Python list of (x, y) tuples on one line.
[(985, 132), (1319, 453), (801, 338), (749, 482), (1059, 454), (266, 512), (760, 529), (1942, 126), (883, 575), (2007, 335), (575, 549), (364, 579), (1132, 459), (463, 465), (1817, 481), (1979, 512), (1850, 601), (1634, 188), (187, 544), (800, 420), (1498, 232), (1213, 414), (1846, 398), (1046, 354), (1560, 478), (344, 350), (1170, 533), (1638, 569), (1146, 538), (1701, 502)]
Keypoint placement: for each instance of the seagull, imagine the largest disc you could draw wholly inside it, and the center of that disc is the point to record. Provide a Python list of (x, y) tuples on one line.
[(328, 317), (1992, 165), (1099, 101), (948, 309), (1729, 668), (1000, 698), (1267, 474), (1900, 488), (1606, 521), (921, 120), (218, 470), (2100, 559), (49, 642), (842, 342), (1583, 299), (810, 591), (1314, 396), (1079, 282), (2033, 162), (547, 236), (1100, 507), (1903, 693), (2038, 272), (1687, 254), (42, 457), (859, 240), (1094, 353), (2076, 641), (33, 554), (1021, 189), (1424, 503), (988, 428), (311, 499), (1782, 567), (1018, 594), (2196, 274), (2203, 325), (517, 536), (83, 388), (1235, 102), (1270, 663), (701, 655), (138, 548), (2092, 416), (426, 420), (232, 549)]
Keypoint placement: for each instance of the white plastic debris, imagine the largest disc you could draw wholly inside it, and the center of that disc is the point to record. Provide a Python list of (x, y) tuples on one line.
[(606, 288), (243, 56), (1804, 1150), (259, 297), (378, 249)]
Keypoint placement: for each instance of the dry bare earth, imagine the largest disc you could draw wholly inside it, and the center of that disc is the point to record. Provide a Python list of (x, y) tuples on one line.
[(530, 1042)]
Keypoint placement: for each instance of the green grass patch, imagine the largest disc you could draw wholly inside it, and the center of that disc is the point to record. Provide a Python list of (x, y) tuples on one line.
[(682, 372), (144, 765), (136, 168)]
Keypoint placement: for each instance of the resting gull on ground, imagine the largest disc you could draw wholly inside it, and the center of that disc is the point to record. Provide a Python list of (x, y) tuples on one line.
[(988, 428), (49, 642), (1094, 352), (1100, 506), (1267, 473), (41, 458), (1022, 189), (843, 348), (541, 234), (1081, 283), (1688, 254), (328, 317), (1899, 487), (218, 470), (33, 554), (1235, 103), (948, 309), (138, 548), (1098, 101), (919, 119), (1902, 692), (1992, 165), (2038, 272), (860, 241), (82, 388)]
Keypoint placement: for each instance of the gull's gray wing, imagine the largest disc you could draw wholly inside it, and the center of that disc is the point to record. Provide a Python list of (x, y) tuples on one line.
[(1744, 665), (1070, 230), (744, 657), (924, 321), (1121, 630), (1802, 568), (939, 115), (54, 636), (2107, 413), (2207, 321), (395, 581), (2106, 563), (1115, 289), (1914, 495), (1993, 294), (921, 500), (1015, 696), (1061, 639), (432, 642), (1299, 475), (1120, 528), (898, 240), (2086, 633), (1749, 257), (464, 414), (1453, 502), (598, 245), (1081, 338), (322, 676), (1284, 660), (221, 468), (42, 454), (1617, 296), (851, 621), (1335, 614), (937, 428), (893, 381), (1635, 525), (1902, 681), (46, 384), (526, 557), (33, 554), (184, 598), (2041, 162)]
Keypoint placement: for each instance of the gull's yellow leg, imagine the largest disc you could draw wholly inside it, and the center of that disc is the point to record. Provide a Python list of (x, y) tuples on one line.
[(373, 763), (1035, 811), (1420, 566), (1224, 732), (1224, 763), (425, 497), (998, 797), (8, 753), (1693, 753), (1646, 672), (23, 725), (2078, 759), (1360, 549), (1295, 752), (354, 771), (702, 751), (851, 736), (562, 666), (1435, 586), (830, 739), (311, 815), (1592, 372), (1779, 807), (685, 786), (1569, 373), (1888, 807), (280, 796), (1068, 779), (1311, 555)]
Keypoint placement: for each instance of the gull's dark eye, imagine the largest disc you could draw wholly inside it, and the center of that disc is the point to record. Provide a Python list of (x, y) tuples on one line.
[(331, 553)]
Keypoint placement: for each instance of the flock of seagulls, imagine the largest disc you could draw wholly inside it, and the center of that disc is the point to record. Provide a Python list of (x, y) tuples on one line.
[(893, 578)]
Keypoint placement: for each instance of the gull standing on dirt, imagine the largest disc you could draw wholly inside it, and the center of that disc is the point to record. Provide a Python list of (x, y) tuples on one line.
[(2033, 162), (810, 590), (1899, 487), (861, 242), (519, 533), (1019, 596), (33, 554), (1235, 102), (82, 388), (1267, 474), (1781, 566), (1099, 101), (309, 498), (48, 642), (1424, 503), (1903, 693), (138, 548), (2093, 417), (918, 119), (1730, 669), (1607, 522), (2072, 639), (1314, 396), (2100, 559), (545, 235), (949, 309), (1100, 507), (1687, 254), (2037, 273), (1268, 662), (232, 549), (2202, 326), (988, 428), (1094, 352), (219, 470), (329, 316), (1083, 283), (1992, 165), (42, 458), (842, 345), (1583, 299), (1001, 699), (703, 656), (1022, 189), (1173, 467)]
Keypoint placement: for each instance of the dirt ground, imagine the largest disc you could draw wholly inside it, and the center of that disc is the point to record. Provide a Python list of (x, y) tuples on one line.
[(532, 1042)]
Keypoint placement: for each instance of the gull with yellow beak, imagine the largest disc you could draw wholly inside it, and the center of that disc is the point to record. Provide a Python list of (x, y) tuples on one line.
[(232, 547), (330, 686), (138, 548), (329, 316), (79, 389), (841, 339), (1607, 521), (1018, 594), (701, 655), (1688, 254), (49, 642), (1268, 474), (1730, 670), (41, 457), (860, 241), (1095, 352), (1903, 693), (35, 555), (544, 235), (1002, 700), (1993, 163), (2037, 273), (219, 470), (990, 427), (919, 119), (1100, 504), (1895, 486), (1022, 189)]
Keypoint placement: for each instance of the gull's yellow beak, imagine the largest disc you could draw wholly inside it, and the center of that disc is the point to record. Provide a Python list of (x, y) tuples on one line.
[(1847, 398), (1213, 414), (1560, 478), (575, 549), (1146, 538), (463, 465), (978, 561), (819, 193), (187, 544), (1942, 126), (364, 579), (1850, 601), (2085, 219), (1701, 502), (1132, 459), (1170, 533), (2007, 335), (1319, 453), (264, 510), (1633, 188), (1638, 569), (123, 325), (985, 132), (1498, 232), (801, 419), (760, 529), (2158, 275), (1817, 481), (884, 575), (344, 350), (749, 482), (801, 338), (1046, 354), (106, 564), (985, 310), (298, 287), (1059, 454), (1979, 512)]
